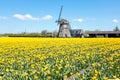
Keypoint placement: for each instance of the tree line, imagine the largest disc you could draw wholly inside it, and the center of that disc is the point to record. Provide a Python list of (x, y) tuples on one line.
[(43, 33)]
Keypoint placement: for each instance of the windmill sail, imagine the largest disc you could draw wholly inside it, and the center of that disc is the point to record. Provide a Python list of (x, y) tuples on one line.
[(59, 18), (60, 13)]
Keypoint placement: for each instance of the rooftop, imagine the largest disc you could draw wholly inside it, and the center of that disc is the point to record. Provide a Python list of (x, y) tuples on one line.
[(104, 32)]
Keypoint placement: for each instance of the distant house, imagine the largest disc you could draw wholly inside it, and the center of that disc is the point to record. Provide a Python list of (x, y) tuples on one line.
[(104, 33), (77, 33)]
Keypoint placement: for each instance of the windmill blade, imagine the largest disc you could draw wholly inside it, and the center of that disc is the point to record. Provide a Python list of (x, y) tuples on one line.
[(60, 13), (59, 18)]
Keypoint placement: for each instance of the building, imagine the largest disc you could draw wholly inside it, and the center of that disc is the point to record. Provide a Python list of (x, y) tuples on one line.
[(104, 33), (77, 33)]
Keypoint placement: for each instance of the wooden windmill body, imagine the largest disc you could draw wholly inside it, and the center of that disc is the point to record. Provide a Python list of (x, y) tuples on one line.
[(64, 30)]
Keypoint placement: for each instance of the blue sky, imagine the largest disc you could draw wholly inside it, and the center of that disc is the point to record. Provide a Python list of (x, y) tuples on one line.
[(36, 15)]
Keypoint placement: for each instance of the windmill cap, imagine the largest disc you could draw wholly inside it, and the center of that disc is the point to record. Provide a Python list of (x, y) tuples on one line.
[(64, 21)]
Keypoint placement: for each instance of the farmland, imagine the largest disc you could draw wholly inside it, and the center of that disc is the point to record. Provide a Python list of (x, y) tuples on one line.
[(57, 58)]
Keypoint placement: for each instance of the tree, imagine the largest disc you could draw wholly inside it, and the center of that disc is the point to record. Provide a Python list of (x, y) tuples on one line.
[(44, 33), (97, 30), (116, 29), (55, 34)]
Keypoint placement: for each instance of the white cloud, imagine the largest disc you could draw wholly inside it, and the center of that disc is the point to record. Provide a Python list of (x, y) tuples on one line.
[(79, 20), (3, 17), (25, 17), (47, 17), (91, 19), (30, 17), (115, 20)]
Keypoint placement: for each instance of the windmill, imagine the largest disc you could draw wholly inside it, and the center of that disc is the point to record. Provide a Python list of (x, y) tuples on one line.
[(64, 30)]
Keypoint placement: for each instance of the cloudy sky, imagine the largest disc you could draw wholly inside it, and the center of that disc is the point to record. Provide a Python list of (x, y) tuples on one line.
[(36, 15)]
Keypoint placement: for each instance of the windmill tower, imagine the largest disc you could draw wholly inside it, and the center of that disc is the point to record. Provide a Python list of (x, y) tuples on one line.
[(64, 30)]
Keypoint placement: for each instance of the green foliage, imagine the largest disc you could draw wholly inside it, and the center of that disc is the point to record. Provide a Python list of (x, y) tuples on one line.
[(116, 28), (48, 34)]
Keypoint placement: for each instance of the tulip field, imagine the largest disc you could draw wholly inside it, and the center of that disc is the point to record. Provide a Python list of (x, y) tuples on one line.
[(59, 58)]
